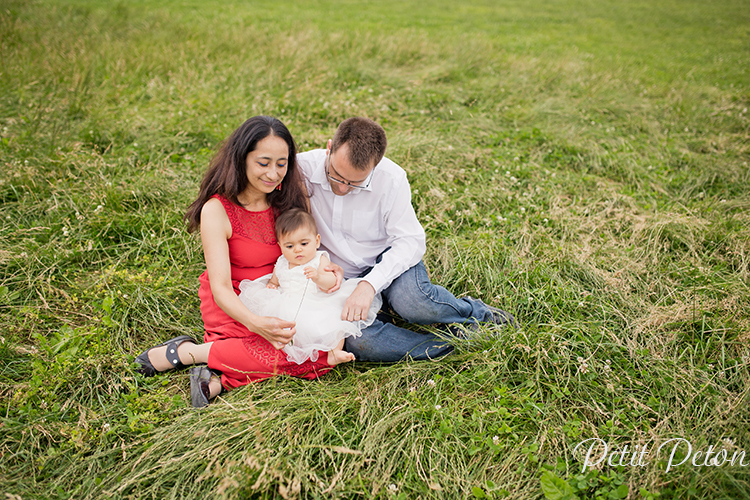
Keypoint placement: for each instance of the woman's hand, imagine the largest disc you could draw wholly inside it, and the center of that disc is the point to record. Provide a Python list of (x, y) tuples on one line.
[(276, 331)]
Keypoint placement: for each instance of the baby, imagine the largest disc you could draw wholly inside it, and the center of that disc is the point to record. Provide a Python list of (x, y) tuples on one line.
[(290, 296)]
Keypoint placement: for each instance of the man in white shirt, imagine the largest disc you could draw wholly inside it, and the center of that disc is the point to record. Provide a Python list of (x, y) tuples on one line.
[(361, 202)]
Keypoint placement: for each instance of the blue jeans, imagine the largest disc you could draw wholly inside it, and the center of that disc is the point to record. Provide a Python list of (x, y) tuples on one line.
[(413, 297)]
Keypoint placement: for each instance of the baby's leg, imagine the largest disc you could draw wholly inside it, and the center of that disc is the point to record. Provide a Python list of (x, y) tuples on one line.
[(338, 355)]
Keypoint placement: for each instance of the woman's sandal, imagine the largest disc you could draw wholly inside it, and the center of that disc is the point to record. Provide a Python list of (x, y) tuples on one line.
[(200, 394), (148, 370)]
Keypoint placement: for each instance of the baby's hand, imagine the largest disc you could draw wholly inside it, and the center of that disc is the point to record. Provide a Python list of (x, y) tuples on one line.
[(311, 273), (272, 286)]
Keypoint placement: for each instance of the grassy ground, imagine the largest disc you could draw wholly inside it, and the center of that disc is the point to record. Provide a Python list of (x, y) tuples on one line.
[(581, 164)]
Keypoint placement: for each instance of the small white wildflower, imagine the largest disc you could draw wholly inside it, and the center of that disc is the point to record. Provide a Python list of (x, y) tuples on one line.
[(412, 389), (687, 129), (516, 158), (65, 231), (580, 359), (135, 144), (431, 383), (531, 299), (23, 255), (580, 304), (105, 427), (26, 162), (392, 487), (722, 201), (650, 167), (437, 407), (729, 442), (495, 440), (523, 210), (584, 368), (545, 220), (513, 179), (507, 173), (153, 235)]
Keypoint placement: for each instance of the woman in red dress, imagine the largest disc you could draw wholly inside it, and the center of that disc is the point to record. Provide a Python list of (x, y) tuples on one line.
[(251, 179)]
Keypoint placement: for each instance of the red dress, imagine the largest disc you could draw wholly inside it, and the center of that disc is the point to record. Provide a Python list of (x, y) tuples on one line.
[(241, 355)]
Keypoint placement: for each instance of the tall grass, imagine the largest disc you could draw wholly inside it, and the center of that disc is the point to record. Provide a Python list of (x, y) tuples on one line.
[(582, 165)]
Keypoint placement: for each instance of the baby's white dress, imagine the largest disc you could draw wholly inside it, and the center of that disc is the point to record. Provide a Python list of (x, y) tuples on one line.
[(319, 324)]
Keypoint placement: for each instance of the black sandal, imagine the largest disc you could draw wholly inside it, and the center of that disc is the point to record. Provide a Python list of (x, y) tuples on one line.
[(200, 394), (148, 370)]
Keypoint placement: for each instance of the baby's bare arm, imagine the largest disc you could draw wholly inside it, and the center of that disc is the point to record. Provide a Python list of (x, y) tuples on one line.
[(324, 279)]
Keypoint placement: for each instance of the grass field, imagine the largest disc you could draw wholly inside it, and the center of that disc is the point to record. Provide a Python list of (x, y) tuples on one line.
[(581, 164)]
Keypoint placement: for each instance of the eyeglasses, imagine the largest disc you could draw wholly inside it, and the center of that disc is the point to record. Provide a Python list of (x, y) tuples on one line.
[(329, 167)]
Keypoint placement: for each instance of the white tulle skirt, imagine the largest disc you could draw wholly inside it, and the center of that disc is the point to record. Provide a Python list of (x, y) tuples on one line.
[(318, 314)]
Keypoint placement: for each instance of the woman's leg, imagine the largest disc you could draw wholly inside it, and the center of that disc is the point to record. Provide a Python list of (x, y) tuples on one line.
[(188, 352), (252, 358)]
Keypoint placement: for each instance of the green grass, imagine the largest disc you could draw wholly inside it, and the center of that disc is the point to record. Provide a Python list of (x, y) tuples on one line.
[(581, 164)]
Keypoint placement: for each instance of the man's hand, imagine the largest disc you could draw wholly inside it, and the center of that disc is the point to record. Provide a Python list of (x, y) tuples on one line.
[(358, 303), (338, 271)]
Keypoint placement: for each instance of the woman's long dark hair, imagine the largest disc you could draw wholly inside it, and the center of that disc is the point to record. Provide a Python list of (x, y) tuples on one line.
[(227, 172)]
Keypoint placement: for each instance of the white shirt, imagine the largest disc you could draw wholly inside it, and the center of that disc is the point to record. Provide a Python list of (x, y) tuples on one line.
[(357, 227)]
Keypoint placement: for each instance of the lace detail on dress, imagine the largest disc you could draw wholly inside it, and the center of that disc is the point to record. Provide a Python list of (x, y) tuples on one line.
[(257, 226), (263, 351)]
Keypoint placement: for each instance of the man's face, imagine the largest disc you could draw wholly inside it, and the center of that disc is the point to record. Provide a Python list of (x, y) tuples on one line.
[(342, 176)]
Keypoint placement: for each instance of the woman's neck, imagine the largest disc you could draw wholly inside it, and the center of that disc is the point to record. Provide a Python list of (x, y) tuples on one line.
[(255, 202)]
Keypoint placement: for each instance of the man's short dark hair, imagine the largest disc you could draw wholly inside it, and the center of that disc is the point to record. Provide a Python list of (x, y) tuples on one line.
[(366, 140)]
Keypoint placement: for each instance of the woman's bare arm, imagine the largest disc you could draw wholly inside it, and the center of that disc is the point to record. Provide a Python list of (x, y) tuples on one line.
[(215, 231)]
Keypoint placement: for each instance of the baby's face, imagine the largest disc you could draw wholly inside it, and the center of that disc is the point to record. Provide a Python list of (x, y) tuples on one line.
[(299, 246)]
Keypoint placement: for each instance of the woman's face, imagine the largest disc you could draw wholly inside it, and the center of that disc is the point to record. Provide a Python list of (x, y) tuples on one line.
[(267, 165)]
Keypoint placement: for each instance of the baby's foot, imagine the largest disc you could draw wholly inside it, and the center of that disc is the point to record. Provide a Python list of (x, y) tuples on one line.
[(338, 356)]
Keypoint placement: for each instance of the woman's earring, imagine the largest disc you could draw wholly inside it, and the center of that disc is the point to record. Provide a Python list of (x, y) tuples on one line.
[(278, 188)]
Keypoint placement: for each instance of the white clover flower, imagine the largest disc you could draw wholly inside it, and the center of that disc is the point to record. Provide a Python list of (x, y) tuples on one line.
[(495, 440), (431, 383), (393, 488), (580, 359), (437, 407), (105, 427)]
